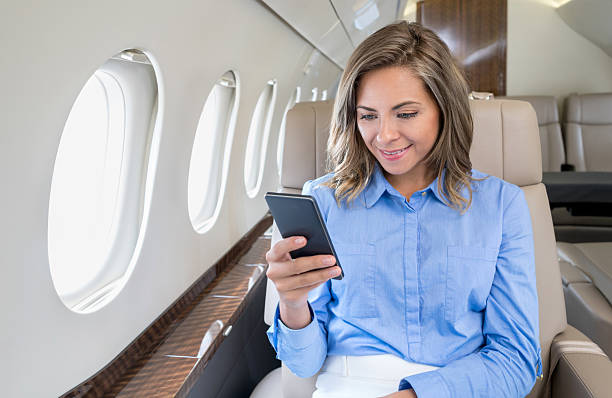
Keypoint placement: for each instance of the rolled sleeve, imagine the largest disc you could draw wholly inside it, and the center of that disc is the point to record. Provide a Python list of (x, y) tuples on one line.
[(297, 339)]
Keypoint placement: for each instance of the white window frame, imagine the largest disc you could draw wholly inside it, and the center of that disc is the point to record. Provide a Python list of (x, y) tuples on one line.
[(257, 141), (138, 80), (315, 94), (295, 98)]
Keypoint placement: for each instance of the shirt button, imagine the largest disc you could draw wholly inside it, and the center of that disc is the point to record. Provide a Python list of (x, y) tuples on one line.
[(424, 193)]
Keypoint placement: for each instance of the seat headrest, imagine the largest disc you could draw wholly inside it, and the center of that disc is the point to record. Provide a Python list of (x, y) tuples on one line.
[(589, 108), (305, 147), (545, 107), (506, 142)]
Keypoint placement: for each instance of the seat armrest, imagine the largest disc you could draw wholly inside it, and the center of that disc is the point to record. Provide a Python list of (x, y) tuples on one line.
[(572, 274), (297, 387), (580, 374)]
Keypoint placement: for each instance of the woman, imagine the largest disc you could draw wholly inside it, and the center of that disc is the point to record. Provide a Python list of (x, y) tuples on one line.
[(438, 258)]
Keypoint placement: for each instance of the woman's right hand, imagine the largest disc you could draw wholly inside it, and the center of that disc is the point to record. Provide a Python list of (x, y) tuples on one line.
[(295, 278)]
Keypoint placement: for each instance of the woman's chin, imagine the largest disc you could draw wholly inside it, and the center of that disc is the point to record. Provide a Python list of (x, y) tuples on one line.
[(396, 169)]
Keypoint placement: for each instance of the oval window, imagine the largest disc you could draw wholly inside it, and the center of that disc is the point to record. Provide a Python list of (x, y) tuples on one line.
[(210, 155), (315, 94), (96, 205), (257, 141), (295, 98)]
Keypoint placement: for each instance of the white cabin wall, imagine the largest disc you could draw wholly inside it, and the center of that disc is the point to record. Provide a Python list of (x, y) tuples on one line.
[(50, 49), (546, 57)]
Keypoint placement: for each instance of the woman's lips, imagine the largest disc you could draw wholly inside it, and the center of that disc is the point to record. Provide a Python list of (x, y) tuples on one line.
[(394, 155)]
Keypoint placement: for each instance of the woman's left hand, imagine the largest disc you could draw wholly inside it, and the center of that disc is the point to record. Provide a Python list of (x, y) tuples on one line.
[(402, 394)]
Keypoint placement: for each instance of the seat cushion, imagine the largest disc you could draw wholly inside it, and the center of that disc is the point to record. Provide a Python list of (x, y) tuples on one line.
[(561, 216), (594, 259), (270, 386)]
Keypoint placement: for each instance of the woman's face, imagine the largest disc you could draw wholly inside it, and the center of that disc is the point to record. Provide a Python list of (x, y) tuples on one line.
[(398, 120)]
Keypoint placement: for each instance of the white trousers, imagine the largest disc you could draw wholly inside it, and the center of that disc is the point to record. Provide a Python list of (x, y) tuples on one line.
[(364, 376)]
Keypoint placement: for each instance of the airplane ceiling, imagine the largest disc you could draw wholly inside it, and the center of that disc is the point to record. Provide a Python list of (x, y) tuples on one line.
[(590, 18), (336, 27)]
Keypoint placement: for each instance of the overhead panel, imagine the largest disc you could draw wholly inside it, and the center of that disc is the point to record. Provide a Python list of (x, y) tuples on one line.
[(361, 18), (591, 19), (316, 20)]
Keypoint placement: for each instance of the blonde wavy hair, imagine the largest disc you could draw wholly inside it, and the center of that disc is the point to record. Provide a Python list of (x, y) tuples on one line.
[(420, 49)]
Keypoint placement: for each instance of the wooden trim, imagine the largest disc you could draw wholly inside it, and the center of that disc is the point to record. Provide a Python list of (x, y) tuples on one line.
[(219, 280), (476, 33)]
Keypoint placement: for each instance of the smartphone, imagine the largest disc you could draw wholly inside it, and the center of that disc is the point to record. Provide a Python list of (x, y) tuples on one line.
[(299, 215)]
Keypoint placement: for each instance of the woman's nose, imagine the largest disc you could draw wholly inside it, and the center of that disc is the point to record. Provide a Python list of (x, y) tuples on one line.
[(386, 132)]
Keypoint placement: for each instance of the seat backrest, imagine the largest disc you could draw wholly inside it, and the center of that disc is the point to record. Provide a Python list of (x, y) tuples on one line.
[(587, 126), (506, 145), (551, 140), (305, 147)]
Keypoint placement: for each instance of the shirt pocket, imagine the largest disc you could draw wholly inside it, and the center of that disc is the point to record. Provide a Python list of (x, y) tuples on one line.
[(469, 276), (356, 292)]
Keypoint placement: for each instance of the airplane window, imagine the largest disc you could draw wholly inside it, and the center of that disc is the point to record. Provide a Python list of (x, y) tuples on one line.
[(258, 139), (95, 210), (315, 93), (324, 95), (295, 98), (210, 154)]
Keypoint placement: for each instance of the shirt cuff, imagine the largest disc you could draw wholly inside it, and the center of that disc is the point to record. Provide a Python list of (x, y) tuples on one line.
[(426, 385), (297, 338)]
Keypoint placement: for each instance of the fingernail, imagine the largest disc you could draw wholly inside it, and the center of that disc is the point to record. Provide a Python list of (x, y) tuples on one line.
[(328, 260), (334, 272), (299, 241)]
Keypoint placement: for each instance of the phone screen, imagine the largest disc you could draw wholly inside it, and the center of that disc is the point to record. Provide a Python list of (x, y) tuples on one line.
[(299, 215)]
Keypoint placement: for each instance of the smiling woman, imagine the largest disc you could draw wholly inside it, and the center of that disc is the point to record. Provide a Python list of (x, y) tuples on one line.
[(446, 293)]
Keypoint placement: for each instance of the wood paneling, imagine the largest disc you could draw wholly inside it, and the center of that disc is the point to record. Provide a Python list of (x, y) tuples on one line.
[(475, 31), (165, 360)]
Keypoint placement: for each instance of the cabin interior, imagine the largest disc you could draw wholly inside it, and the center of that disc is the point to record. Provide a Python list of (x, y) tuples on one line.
[(140, 138)]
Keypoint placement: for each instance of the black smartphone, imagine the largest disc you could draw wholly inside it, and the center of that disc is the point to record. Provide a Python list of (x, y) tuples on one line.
[(299, 215)]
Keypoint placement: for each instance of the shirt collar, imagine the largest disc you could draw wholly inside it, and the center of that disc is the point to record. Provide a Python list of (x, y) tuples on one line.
[(378, 185)]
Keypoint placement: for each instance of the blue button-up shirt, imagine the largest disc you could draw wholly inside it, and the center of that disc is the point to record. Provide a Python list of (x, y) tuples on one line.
[(429, 285)]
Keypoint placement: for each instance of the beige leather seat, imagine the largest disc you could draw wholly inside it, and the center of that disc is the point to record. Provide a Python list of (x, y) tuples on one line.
[(506, 144), (551, 140), (568, 228), (587, 123), (587, 267), (586, 270)]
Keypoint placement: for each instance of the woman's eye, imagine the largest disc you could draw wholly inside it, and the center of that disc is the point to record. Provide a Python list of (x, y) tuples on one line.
[(368, 117), (407, 115)]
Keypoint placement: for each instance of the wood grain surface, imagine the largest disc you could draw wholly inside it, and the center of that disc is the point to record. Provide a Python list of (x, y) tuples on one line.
[(476, 33)]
